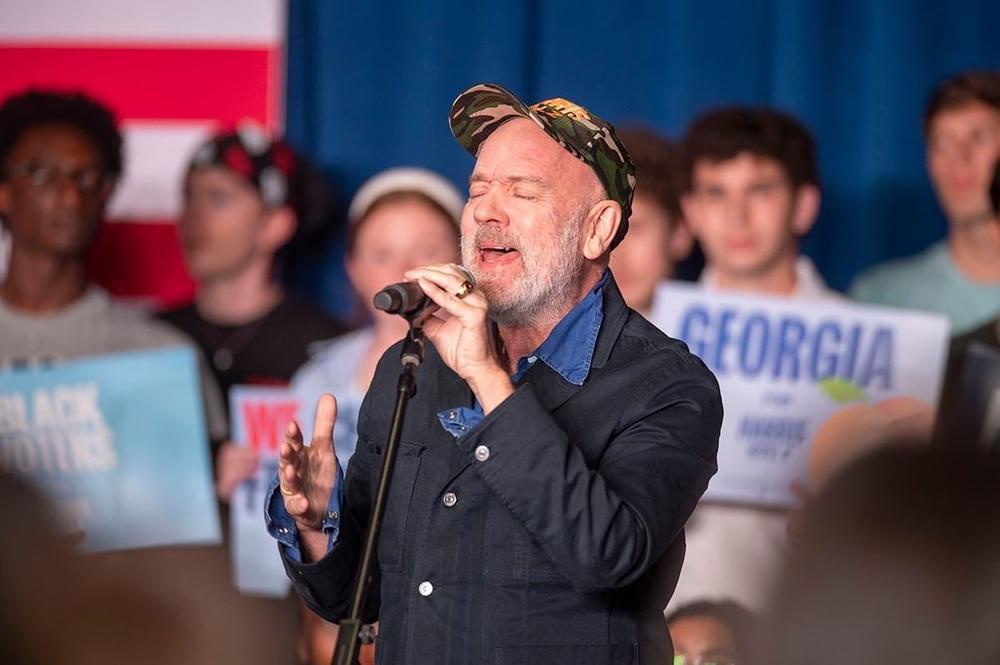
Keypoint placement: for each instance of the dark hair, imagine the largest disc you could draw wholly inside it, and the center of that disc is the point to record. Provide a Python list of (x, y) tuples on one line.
[(394, 197), (315, 203), (655, 159), (724, 133), (36, 108), (738, 619), (961, 90)]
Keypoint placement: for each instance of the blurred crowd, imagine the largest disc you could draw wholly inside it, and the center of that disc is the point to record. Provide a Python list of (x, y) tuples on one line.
[(891, 555)]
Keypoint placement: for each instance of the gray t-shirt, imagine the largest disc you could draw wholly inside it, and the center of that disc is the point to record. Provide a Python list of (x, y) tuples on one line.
[(95, 325)]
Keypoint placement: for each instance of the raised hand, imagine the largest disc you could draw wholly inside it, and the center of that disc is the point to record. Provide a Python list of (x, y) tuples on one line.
[(306, 473)]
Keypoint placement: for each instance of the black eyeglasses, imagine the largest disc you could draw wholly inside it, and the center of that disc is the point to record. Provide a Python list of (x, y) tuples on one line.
[(86, 181)]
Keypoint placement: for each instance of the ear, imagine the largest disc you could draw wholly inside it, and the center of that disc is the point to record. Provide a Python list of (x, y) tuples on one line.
[(600, 228), (807, 200), (351, 269), (689, 206), (4, 198), (681, 240), (279, 227)]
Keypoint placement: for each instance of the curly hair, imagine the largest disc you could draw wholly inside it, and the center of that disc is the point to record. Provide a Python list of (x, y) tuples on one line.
[(724, 133), (961, 90), (35, 108)]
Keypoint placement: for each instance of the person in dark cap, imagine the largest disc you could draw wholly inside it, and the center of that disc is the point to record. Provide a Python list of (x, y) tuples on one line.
[(557, 441), (249, 200)]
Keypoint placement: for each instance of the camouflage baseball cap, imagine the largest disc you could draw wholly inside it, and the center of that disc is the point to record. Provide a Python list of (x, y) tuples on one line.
[(478, 111)]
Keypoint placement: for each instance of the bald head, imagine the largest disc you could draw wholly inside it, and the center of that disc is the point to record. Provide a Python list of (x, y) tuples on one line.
[(538, 226), (520, 148)]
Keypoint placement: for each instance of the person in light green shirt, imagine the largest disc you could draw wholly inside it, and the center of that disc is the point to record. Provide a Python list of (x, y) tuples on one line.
[(958, 277)]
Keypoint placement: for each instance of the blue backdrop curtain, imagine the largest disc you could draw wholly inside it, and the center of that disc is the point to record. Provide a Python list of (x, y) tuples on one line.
[(370, 84)]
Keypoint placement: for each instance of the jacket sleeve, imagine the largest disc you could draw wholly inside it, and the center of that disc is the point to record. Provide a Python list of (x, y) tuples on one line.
[(604, 527), (327, 585)]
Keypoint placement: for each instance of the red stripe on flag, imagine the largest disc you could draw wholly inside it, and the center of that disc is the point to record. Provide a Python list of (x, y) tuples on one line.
[(141, 260), (154, 83)]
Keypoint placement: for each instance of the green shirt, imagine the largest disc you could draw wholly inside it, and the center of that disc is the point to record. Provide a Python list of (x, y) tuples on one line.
[(932, 282)]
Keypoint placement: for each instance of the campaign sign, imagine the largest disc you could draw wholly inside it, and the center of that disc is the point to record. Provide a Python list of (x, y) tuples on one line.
[(118, 442), (785, 365), (259, 416)]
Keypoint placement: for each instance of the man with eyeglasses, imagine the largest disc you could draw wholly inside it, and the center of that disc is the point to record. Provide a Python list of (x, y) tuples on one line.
[(60, 156)]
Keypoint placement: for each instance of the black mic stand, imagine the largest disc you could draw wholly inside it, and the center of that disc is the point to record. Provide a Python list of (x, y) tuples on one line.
[(350, 637)]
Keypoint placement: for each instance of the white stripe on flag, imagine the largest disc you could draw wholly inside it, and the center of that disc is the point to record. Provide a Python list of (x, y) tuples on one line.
[(224, 22), (156, 155)]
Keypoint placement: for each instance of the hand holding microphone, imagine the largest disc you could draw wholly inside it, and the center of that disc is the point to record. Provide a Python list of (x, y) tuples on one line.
[(464, 340), (407, 298)]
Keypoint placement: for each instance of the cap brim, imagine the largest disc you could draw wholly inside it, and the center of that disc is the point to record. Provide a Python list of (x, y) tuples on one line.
[(480, 110)]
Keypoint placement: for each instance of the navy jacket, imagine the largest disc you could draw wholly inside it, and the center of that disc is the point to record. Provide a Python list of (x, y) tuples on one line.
[(551, 533)]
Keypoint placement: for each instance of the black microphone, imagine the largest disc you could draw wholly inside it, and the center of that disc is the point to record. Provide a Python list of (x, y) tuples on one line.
[(401, 298), (406, 297)]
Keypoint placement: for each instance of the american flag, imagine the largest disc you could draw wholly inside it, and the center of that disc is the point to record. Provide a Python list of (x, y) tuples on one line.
[(172, 72)]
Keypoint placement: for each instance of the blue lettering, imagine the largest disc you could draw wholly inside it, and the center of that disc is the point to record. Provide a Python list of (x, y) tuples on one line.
[(849, 360), (793, 331), (694, 329), (724, 338), (878, 363), (824, 355), (789, 348), (753, 344)]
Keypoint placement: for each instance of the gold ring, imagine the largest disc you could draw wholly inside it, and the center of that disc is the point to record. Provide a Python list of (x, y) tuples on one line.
[(464, 289), (285, 492)]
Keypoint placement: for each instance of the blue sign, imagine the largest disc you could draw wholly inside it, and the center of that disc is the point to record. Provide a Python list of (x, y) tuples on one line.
[(119, 444)]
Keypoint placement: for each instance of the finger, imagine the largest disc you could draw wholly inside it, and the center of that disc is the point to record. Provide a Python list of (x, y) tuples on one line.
[(293, 435), (296, 505), (326, 416), (288, 451), (431, 327), (290, 479), (470, 310), (448, 276)]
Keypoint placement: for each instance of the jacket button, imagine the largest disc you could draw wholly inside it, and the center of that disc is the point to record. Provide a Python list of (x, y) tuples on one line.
[(449, 499), (482, 453), (425, 588)]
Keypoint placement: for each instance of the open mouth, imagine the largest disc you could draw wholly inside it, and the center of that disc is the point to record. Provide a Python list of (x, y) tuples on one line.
[(496, 253)]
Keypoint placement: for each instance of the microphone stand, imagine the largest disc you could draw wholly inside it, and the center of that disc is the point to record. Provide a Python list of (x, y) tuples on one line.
[(351, 635)]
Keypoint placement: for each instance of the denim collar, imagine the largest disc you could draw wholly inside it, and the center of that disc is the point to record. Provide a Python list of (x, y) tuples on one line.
[(569, 348)]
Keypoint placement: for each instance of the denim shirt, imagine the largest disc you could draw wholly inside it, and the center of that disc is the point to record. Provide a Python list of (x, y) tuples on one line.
[(568, 350)]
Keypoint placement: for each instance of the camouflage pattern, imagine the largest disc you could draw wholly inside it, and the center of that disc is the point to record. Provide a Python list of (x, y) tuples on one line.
[(478, 111)]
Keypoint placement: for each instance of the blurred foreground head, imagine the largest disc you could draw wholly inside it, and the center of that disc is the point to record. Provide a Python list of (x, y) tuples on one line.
[(897, 561), (710, 632)]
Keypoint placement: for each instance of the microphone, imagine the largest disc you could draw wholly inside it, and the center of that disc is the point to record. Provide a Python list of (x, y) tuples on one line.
[(406, 298)]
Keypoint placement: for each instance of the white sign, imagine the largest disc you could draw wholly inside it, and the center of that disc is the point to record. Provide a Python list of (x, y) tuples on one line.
[(785, 365), (259, 417)]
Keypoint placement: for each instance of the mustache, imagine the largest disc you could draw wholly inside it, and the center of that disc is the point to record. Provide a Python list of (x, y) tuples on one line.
[(494, 236)]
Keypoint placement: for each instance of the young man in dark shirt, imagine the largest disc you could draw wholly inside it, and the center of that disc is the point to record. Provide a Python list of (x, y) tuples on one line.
[(247, 201)]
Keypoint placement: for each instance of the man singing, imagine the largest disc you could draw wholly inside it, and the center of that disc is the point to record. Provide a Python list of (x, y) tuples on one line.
[(557, 442)]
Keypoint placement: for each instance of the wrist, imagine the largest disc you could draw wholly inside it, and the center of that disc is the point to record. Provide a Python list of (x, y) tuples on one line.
[(491, 387), (313, 543)]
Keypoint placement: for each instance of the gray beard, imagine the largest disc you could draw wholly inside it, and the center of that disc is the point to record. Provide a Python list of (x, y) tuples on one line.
[(550, 282)]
